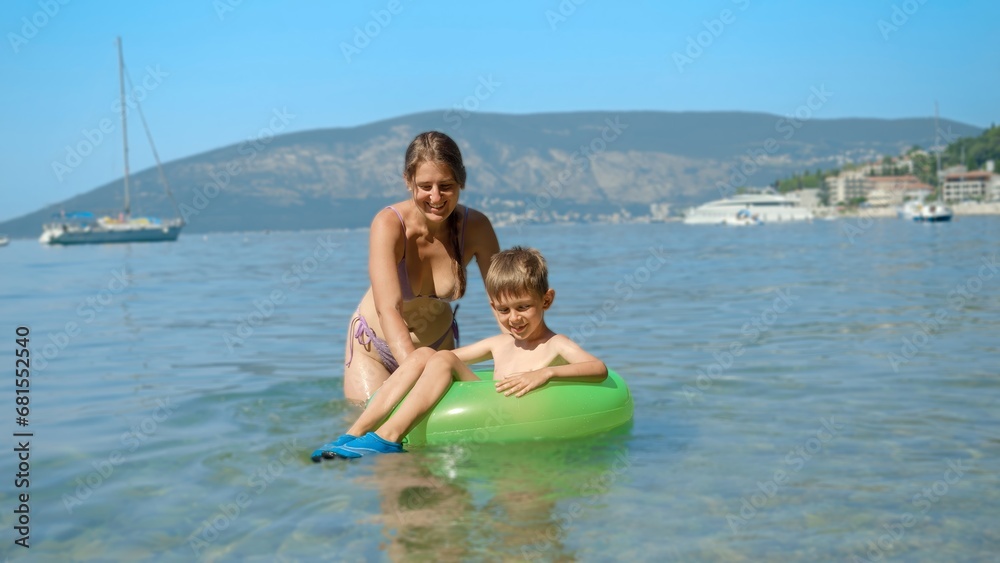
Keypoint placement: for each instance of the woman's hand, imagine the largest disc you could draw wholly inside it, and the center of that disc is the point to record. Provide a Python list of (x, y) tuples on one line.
[(518, 384)]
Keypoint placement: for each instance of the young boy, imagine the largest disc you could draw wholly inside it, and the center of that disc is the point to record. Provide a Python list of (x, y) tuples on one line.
[(525, 356)]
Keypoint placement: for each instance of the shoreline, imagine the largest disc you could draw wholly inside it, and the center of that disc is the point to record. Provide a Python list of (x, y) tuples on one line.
[(991, 208), (960, 209)]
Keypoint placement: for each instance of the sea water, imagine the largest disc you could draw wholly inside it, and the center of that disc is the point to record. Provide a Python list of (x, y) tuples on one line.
[(808, 391)]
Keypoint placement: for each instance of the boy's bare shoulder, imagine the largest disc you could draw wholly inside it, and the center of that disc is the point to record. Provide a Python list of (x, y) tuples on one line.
[(564, 345), (559, 342), (561, 339)]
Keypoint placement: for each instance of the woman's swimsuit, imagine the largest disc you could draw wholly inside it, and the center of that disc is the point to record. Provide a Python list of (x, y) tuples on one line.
[(364, 334)]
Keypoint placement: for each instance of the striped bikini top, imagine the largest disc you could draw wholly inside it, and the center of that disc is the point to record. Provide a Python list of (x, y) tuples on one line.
[(404, 277)]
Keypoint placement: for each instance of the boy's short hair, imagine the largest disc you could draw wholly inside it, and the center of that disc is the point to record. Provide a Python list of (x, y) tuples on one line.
[(517, 271)]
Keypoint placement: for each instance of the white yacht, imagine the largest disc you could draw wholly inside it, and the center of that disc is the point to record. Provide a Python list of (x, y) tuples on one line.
[(746, 209)]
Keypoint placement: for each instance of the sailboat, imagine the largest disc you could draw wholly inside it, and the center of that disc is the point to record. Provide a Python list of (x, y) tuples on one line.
[(82, 228), (934, 211)]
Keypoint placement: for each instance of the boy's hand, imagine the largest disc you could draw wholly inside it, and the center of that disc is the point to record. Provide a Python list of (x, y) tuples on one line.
[(520, 383)]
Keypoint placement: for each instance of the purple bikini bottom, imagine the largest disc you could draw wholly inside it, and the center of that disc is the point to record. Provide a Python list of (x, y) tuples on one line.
[(367, 338)]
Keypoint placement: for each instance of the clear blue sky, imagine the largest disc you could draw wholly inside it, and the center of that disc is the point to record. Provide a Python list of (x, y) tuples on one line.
[(225, 65)]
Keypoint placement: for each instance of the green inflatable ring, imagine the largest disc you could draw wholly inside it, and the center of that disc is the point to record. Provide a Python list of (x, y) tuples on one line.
[(473, 411)]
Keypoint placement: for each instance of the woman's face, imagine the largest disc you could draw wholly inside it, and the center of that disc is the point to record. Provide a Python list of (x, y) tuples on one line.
[(435, 191)]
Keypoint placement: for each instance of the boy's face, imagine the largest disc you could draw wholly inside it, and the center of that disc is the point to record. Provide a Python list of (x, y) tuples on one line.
[(523, 315)]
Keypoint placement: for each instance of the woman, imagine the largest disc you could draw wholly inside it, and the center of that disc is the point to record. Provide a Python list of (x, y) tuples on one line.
[(418, 251)]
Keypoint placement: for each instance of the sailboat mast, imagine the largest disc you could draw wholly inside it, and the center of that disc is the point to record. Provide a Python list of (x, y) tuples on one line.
[(937, 143), (121, 86), (152, 145)]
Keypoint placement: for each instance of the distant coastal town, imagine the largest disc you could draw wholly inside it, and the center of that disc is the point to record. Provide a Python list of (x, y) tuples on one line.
[(968, 185), (959, 179), (867, 189), (962, 176)]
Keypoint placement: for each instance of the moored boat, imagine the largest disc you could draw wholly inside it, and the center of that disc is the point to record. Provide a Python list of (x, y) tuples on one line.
[(934, 212), (748, 209), (81, 228)]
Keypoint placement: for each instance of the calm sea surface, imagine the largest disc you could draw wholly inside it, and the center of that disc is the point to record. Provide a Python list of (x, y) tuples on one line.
[(803, 392)]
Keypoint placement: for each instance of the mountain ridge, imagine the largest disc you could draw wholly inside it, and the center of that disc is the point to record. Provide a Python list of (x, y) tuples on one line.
[(583, 162)]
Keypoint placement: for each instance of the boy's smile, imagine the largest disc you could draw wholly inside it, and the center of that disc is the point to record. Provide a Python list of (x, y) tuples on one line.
[(523, 315)]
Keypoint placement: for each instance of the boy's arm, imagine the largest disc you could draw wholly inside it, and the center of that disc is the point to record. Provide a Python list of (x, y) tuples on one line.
[(477, 351), (580, 366), (590, 371)]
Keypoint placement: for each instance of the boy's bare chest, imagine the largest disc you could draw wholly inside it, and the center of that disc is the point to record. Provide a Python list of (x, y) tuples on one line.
[(511, 359)]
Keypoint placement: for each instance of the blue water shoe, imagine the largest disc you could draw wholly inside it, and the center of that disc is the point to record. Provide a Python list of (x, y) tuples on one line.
[(317, 455), (370, 443)]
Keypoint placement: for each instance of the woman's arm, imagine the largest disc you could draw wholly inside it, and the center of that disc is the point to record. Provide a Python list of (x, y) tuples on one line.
[(484, 245), (481, 240), (386, 244)]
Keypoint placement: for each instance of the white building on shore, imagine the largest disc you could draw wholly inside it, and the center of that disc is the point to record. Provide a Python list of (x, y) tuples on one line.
[(977, 185), (892, 191), (878, 191), (848, 185)]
